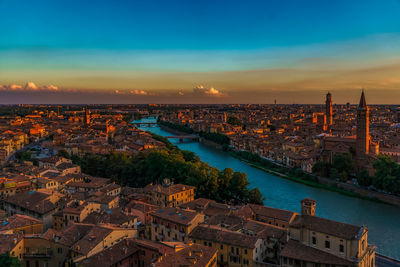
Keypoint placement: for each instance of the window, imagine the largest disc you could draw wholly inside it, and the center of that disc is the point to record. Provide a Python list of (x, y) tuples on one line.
[(237, 251), (245, 251), (194, 240), (209, 244), (59, 250), (221, 246), (232, 249), (205, 243), (341, 248), (314, 240), (327, 244)]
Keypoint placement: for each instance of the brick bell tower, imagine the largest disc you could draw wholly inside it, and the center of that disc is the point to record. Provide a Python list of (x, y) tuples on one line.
[(308, 207), (328, 109), (363, 138)]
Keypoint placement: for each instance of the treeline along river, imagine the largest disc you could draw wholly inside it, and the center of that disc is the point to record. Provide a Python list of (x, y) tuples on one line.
[(382, 220)]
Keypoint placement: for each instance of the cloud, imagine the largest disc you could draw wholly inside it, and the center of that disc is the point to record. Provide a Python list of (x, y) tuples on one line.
[(31, 86), (214, 92), (132, 92), (13, 87), (51, 87), (138, 92), (201, 90)]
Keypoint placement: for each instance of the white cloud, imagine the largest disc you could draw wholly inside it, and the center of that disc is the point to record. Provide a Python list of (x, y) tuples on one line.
[(213, 91), (200, 89), (139, 92), (51, 87), (31, 86), (14, 87)]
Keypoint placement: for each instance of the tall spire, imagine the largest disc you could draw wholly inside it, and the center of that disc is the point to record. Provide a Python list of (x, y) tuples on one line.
[(363, 103)]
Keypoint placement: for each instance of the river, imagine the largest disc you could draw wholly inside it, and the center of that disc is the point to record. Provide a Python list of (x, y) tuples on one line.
[(382, 220)]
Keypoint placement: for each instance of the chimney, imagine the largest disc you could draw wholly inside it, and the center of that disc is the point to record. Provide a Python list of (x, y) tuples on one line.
[(308, 207)]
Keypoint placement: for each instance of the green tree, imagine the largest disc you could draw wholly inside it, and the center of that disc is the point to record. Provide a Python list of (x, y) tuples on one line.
[(190, 156), (255, 197), (24, 155), (63, 153), (343, 162), (322, 168), (363, 178), (180, 166), (387, 174), (334, 173), (238, 185), (9, 261), (234, 121)]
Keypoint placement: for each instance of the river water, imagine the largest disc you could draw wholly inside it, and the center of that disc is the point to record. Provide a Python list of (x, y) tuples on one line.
[(382, 220)]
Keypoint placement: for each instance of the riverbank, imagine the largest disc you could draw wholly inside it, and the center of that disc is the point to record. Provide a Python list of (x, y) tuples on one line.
[(168, 129), (381, 219), (330, 187), (321, 182), (329, 184)]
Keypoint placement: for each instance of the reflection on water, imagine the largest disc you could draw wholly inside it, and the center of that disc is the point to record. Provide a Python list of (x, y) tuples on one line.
[(382, 220)]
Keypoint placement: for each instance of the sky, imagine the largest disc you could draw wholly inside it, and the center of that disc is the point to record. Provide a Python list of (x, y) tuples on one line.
[(181, 51)]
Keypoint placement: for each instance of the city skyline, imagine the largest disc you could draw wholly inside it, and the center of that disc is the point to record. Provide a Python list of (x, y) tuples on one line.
[(188, 52)]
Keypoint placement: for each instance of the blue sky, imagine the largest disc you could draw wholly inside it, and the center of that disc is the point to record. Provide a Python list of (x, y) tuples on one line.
[(190, 25), (57, 42)]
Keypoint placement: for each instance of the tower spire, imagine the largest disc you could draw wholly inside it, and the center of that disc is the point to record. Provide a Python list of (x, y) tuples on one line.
[(363, 103)]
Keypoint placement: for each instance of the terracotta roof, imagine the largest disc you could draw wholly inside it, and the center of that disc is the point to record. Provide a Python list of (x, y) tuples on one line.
[(193, 255), (112, 255), (74, 233), (52, 159), (94, 182), (222, 235), (177, 215), (198, 204), (92, 238), (114, 216), (279, 214), (8, 242), (32, 200), (168, 190), (17, 221), (296, 250), (334, 228)]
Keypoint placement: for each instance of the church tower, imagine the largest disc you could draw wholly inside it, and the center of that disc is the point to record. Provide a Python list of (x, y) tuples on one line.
[(87, 117), (363, 138), (328, 109), (308, 207)]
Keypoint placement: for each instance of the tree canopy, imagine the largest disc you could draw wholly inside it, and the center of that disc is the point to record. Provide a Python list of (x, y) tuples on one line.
[(387, 174), (9, 261), (234, 121), (179, 166)]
